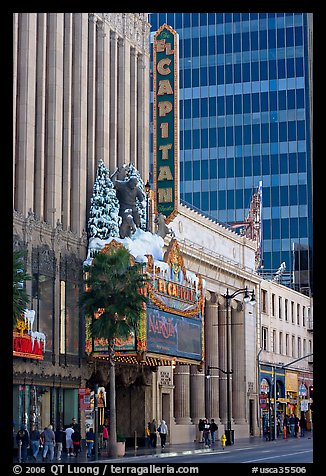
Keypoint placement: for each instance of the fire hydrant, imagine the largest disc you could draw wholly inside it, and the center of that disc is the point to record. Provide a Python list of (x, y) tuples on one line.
[(223, 441)]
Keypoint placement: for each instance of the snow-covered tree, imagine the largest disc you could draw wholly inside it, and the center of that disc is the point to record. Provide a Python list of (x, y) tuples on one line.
[(104, 220)]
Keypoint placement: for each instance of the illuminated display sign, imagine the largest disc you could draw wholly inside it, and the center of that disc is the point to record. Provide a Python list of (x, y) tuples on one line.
[(166, 122)]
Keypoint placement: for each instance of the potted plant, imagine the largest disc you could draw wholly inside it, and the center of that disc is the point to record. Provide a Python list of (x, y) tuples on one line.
[(121, 445)]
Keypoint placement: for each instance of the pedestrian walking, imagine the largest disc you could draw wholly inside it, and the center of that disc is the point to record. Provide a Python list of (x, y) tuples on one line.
[(292, 423), (206, 433), (22, 440), (153, 435), (105, 434), (35, 437), (163, 431), (59, 439), (90, 439), (213, 429), (303, 424), (69, 445), (201, 426), (148, 435), (49, 443), (76, 439), (74, 423)]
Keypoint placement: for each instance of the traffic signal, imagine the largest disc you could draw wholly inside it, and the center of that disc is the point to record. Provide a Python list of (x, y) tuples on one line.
[(311, 391)]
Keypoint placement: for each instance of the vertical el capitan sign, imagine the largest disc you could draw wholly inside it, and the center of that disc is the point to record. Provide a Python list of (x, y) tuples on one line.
[(166, 122)]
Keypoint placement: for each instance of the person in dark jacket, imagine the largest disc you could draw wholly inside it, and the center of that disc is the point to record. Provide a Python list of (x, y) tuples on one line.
[(303, 424), (201, 427), (35, 436), (153, 435), (213, 429), (59, 440), (22, 440), (76, 439)]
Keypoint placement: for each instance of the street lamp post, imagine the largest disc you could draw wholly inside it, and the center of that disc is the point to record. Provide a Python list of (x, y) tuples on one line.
[(249, 296), (147, 190)]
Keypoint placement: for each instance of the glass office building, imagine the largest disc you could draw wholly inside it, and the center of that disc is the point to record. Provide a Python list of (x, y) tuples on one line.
[(245, 117)]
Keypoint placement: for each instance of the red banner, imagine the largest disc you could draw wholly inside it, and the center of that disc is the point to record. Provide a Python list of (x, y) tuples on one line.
[(23, 347)]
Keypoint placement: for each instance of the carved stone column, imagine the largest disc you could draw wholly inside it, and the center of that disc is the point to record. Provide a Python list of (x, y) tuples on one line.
[(212, 359), (239, 390), (222, 321), (197, 393), (182, 394)]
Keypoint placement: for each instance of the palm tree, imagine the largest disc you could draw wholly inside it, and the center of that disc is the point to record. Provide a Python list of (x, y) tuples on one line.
[(112, 294), (20, 297)]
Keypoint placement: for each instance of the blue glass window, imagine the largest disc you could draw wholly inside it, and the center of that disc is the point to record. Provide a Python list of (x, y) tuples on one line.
[(220, 106), (188, 197), (256, 133), (292, 163), (276, 230), (238, 135), (188, 174), (284, 163), (255, 102), (186, 45), (285, 228), (264, 102), (263, 39), (237, 104), (238, 199), (220, 45), (212, 45), (299, 67), (293, 195), (229, 104), (186, 20), (221, 168), (281, 68), (195, 77), (237, 73), (294, 227), (203, 19), (221, 200), (290, 67), (246, 135), (282, 100), (220, 75), (178, 21), (263, 70), (265, 165), (280, 38), (271, 38), (303, 226), (203, 76), (246, 72), (204, 138), (246, 103), (187, 79), (283, 132), (272, 69), (204, 169), (256, 165), (302, 189), (245, 41), (195, 19), (301, 130), (212, 106), (291, 99), (298, 36), (197, 199), (213, 168), (228, 74), (300, 98), (284, 195), (274, 165), (221, 136), (212, 75), (254, 40), (196, 138), (236, 42), (187, 139), (273, 132), (275, 197), (291, 130), (204, 201), (238, 166), (196, 167), (228, 43), (273, 100), (213, 200), (228, 17), (212, 137), (203, 47), (289, 37), (211, 19), (187, 108), (170, 19), (267, 203), (254, 71), (204, 107), (195, 107), (247, 165), (195, 46), (230, 199), (302, 163), (229, 136), (264, 133)]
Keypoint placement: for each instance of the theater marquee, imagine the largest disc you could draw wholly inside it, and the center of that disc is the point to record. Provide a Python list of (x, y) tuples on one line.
[(166, 122)]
